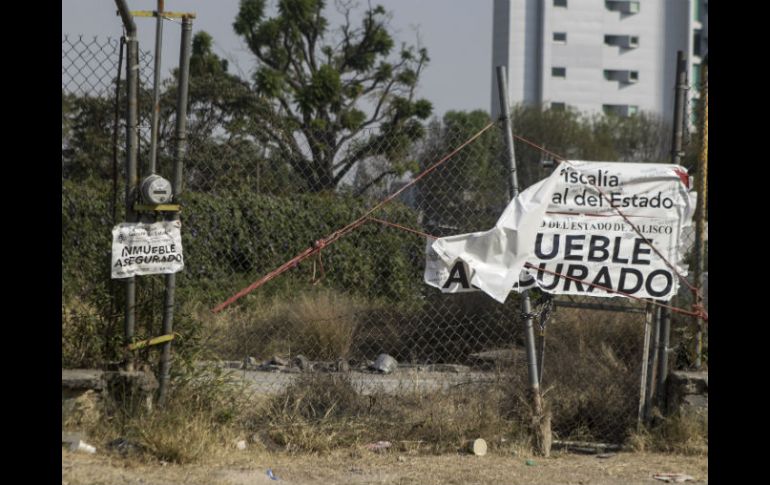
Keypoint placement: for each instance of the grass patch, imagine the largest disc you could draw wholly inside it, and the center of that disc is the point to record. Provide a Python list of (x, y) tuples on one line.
[(680, 434), (591, 374), (321, 412), (320, 325)]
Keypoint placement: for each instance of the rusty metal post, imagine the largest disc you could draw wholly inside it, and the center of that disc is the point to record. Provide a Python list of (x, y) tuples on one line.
[(181, 145), (701, 184), (642, 411), (676, 157), (151, 169), (544, 431), (132, 115)]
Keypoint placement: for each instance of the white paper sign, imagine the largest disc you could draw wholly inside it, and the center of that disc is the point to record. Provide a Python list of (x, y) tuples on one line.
[(580, 245), (142, 249)]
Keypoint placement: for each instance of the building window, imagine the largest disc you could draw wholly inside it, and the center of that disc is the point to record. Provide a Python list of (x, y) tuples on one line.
[(560, 37), (696, 70), (622, 41), (627, 7), (559, 71), (696, 43), (626, 77), (622, 110), (559, 3)]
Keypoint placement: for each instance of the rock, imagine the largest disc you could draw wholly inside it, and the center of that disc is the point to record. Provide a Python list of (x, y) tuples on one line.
[(81, 408), (132, 388), (342, 365), (278, 360), (690, 382), (385, 364), (301, 362), (124, 446), (82, 379), (240, 444), (687, 393)]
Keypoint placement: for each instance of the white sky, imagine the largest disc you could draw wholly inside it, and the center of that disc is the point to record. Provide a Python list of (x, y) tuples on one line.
[(457, 34)]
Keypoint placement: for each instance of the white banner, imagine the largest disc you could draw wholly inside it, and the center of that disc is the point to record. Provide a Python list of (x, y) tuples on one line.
[(143, 249), (568, 231)]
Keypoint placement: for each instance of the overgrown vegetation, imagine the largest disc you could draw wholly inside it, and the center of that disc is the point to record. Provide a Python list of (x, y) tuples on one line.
[(682, 434), (591, 373)]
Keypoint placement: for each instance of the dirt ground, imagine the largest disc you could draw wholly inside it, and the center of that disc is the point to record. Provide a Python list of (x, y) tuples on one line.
[(250, 467)]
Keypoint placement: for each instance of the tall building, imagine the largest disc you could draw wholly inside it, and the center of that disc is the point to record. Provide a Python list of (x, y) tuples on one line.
[(597, 55)]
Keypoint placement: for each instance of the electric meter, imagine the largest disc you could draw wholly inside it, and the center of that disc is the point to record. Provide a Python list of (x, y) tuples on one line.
[(156, 190)]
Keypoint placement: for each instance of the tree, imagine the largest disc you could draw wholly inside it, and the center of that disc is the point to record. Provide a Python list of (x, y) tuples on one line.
[(467, 192), (315, 84)]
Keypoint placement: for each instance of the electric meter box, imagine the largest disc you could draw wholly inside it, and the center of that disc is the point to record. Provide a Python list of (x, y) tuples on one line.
[(156, 190)]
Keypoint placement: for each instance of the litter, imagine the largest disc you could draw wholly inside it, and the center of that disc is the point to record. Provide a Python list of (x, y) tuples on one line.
[(271, 475), (379, 446), (673, 477)]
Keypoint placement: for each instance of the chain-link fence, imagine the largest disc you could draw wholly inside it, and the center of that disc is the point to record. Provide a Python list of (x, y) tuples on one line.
[(257, 193)]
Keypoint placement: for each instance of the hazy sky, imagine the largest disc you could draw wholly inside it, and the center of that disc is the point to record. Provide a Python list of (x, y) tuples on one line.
[(457, 34)]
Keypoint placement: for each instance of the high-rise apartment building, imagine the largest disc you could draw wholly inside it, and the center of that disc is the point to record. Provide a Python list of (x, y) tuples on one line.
[(597, 55)]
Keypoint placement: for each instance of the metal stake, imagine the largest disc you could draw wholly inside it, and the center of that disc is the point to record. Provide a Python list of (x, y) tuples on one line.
[(132, 109), (513, 187), (181, 144)]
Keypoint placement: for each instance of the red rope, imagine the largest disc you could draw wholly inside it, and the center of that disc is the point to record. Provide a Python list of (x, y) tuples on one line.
[(323, 242), (403, 228)]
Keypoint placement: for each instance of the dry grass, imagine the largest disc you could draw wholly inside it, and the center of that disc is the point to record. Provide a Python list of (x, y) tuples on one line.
[(591, 373), (681, 434), (319, 325), (201, 418), (323, 412), (86, 334)]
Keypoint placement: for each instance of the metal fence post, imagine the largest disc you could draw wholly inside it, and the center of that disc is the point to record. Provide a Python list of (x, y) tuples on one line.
[(132, 109), (642, 412), (181, 144), (676, 157), (534, 382), (652, 363), (700, 211), (156, 91)]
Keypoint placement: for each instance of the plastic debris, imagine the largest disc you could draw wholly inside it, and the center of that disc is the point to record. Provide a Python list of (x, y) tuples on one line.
[(82, 446), (240, 444), (379, 446), (605, 455), (673, 477), (530, 463), (271, 475), (478, 447)]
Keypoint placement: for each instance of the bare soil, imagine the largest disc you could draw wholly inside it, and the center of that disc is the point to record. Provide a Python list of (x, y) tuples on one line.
[(365, 467)]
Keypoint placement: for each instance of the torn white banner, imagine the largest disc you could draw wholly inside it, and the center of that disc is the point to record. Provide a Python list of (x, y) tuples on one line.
[(496, 257), (579, 237)]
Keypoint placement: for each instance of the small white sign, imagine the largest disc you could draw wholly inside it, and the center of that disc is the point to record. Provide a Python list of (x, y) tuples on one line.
[(142, 249)]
